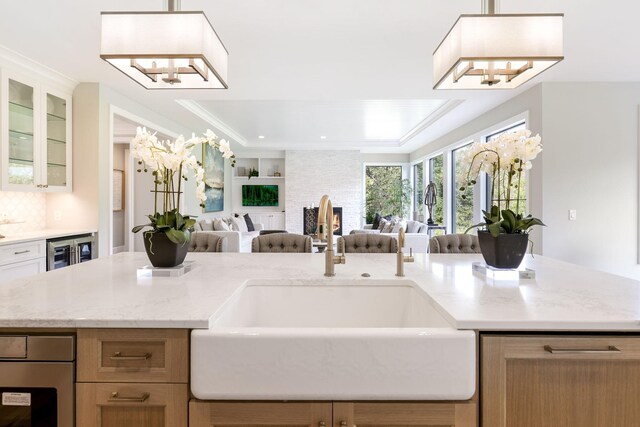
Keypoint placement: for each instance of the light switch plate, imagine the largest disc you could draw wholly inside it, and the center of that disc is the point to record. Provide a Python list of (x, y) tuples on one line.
[(573, 214)]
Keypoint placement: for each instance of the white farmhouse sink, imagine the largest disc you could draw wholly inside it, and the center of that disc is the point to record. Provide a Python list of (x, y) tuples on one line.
[(305, 340)]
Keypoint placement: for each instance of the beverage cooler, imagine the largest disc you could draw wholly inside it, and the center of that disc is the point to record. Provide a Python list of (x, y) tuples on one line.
[(66, 251)]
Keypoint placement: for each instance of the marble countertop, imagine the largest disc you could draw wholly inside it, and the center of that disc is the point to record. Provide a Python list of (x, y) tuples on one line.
[(48, 233), (107, 292)]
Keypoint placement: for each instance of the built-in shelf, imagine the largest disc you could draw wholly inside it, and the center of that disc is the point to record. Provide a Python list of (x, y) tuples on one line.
[(265, 166)]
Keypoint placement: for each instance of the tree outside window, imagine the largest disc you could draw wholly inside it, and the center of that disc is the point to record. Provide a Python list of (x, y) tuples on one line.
[(462, 212), (418, 188), (386, 192)]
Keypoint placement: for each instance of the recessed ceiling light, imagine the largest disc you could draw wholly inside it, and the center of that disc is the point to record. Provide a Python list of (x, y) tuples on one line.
[(260, 136), (323, 137)]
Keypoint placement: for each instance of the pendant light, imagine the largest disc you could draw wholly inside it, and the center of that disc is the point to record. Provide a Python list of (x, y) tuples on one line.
[(172, 49), (493, 51)]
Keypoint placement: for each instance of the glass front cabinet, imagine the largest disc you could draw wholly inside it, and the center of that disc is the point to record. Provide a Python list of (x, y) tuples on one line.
[(36, 136)]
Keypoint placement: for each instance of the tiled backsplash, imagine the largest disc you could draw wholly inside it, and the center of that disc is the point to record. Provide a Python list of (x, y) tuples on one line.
[(30, 209)]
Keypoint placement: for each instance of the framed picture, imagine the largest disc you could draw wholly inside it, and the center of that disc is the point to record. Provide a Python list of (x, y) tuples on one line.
[(118, 190), (213, 165)]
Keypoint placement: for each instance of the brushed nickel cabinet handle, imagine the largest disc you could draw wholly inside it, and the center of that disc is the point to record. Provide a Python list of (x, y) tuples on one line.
[(118, 356), (608, 350), (343, 423), (322, 424), (116, 398), (22, 252)]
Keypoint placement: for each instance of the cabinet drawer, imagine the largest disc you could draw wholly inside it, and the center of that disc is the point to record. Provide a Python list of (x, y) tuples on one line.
[(22, 269), (22, 252), (136, 355), (125, 404)]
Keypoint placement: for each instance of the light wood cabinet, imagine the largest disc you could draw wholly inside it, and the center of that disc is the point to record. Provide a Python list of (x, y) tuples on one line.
[(133, 355), (336, 414), (130, 404), (132, 377), (248, 414), (560, 381)]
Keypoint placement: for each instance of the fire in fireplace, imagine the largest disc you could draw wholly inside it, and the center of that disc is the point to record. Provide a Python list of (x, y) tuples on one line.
[(310, 221)]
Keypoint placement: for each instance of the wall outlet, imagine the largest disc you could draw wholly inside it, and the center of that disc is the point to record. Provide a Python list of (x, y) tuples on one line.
[(57, 215), (573, 214)]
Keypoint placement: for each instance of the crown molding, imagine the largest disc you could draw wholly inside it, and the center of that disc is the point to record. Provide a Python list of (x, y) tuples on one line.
[(18, 62), (429, 120), (205, 115)]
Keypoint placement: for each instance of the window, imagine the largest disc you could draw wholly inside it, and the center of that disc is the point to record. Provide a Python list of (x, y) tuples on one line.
[(436, 175), (418, 188), (386, 192), (521, 190), (462, 206)]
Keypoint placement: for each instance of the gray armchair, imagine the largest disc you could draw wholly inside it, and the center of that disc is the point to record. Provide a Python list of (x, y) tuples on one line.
[(454, 244), (282, 242), (207, 242), (367, 243)]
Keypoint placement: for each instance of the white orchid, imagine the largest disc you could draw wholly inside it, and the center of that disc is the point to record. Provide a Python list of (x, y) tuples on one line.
[(503, 158)]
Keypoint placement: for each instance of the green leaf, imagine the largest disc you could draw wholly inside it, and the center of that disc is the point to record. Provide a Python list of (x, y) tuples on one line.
[(140, 227), (176, 236), (480, 224), (494, 229), (509, 221)]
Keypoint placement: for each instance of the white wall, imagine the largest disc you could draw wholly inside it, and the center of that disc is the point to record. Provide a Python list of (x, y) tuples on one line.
[(311, 174), (589, 163)]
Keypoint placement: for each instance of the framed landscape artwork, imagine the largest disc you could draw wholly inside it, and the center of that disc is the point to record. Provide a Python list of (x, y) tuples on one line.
[(213, 165)]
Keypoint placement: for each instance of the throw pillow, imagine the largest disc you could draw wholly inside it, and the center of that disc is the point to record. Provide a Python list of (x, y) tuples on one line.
[(413, 226), (249, 223), (206, 225), (383, 223), (239, 224), (220, 225), (376, 222), (232, 224), (388, 227), (401, 224)]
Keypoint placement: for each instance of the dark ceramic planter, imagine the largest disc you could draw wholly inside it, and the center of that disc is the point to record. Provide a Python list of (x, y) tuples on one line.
[(504, 251), (162, 252)]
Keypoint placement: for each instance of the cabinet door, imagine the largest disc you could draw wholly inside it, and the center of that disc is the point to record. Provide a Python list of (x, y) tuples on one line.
[(277, 221), (20, 134), (249, 414), (22, 269), (390, 414), (140, 405), (56, 150), (560, 381)]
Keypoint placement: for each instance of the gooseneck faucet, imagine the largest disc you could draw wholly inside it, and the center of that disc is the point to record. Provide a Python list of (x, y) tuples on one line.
[(400, 258), (325, 231)]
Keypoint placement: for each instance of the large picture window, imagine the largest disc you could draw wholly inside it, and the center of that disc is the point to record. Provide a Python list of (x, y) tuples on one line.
[(462, 207), (418, 188), (436, 175), (386, 192)]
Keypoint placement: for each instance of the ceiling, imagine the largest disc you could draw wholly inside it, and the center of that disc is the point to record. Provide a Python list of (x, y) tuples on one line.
[(301, 69)]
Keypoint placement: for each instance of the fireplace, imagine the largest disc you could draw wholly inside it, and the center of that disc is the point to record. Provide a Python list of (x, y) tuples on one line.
[(310, 221)]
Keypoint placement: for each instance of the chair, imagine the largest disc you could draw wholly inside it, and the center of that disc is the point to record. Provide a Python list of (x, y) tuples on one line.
[(454, 244), (281, 243), (367, 243), (207, 242)]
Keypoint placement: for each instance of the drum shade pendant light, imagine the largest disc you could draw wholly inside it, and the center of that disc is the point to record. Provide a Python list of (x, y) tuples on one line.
[(493, 51), (172, 49)]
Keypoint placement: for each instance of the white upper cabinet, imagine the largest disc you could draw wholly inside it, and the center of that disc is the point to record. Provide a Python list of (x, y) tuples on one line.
[(36, 136)]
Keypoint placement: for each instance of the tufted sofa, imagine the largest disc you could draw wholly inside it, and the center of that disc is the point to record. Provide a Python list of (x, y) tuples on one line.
[(454, 244), (367, 243), (282, 242), (207, 242)]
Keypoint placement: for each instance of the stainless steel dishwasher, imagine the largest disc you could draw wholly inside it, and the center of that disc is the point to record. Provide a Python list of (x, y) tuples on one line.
[(37, 375)]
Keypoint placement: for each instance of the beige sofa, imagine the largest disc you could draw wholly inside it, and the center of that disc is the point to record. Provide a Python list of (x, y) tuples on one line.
[(237, 241), (416, 236)]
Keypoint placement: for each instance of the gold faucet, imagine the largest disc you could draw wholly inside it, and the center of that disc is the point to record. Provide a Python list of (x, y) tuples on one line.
[(325, 231), (400, 258)]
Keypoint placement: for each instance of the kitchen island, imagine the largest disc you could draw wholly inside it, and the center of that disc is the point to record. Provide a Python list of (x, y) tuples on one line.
[(570, 323)]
